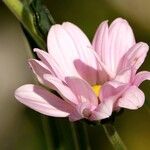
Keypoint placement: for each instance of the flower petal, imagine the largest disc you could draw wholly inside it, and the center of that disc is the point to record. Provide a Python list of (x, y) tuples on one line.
[(140, 77), (54, 66), (112, 88), (87, 69), (82, 90), (62, 89), (100, 41), (104, 109), (68, 44), (124, 76), (121, 39), (42, 101), (39, 69), (135, 56), (133, 98)]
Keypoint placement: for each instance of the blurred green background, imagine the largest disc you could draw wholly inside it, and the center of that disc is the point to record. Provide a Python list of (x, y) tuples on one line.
[(21, 128)]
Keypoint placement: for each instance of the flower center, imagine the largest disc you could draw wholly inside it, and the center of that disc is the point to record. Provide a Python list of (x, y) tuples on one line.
[(86, 113), (96, 88)]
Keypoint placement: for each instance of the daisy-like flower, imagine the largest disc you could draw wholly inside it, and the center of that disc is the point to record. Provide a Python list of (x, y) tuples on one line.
[(91, 79)]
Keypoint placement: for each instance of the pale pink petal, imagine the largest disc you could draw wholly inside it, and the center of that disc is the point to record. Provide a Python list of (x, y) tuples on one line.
[(39, 69), (140, 77), (82, 44), (100, 41), (121, 39), (104, 109), (44, 56), (62, 49), (75, 116), (135, 56), (112, 88), (54, 66), (133, 98), (124, 76), (61, 88), (104, 73), (82, 90), (68, 45), (42, 101)]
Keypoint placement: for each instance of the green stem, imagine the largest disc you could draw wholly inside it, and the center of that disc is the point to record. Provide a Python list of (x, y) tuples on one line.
[(67, 135), (74, 135), (82, 133), (86, 136), (26, 18), (47, 133), (113, 137)]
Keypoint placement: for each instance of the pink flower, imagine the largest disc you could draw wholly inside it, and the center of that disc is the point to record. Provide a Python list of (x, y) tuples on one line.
[(120, 57), (91, 84)]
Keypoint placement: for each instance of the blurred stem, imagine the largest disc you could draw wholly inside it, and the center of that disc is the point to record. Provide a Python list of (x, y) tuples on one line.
[(113, 137), (26, 18), (86, 136), (83, 138), (46, 128), (74, 136), (67, 135)]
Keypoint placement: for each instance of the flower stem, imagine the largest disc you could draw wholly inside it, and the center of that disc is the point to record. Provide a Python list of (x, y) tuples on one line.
[(74, 135), (86, 136), (113, 137), (47, 133), (25, 16), (81, 131), (67, 136)]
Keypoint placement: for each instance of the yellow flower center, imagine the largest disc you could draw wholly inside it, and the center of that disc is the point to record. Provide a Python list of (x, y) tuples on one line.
[(96, 88)]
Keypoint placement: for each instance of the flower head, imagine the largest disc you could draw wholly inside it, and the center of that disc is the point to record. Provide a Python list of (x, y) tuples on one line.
[(92, 80)]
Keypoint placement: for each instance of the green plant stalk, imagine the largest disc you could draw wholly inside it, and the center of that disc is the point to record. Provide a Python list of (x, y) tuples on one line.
[(18, 9), (67, 135), (74, 135), (86, 136), (82, 135), (113, 137), (47, 133)]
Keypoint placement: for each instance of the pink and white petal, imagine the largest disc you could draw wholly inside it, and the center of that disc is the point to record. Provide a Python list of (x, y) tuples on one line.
[(87, 69), (121, 39), (82, 90), (44, 56), (75, 117), (74, 56), (124, 76), (104, 72), (55, 67), (100, 42), (42, 101), (61, 88), (133, 98), (104, 109), (135, 56), (39, 69), (62, 49), (140, 77), (112, 88)]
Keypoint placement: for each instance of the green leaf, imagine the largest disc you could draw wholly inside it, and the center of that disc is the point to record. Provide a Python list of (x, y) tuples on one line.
[(43, 18)]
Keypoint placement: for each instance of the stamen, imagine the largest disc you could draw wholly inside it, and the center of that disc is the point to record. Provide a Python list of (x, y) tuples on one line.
[(96, 88)]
